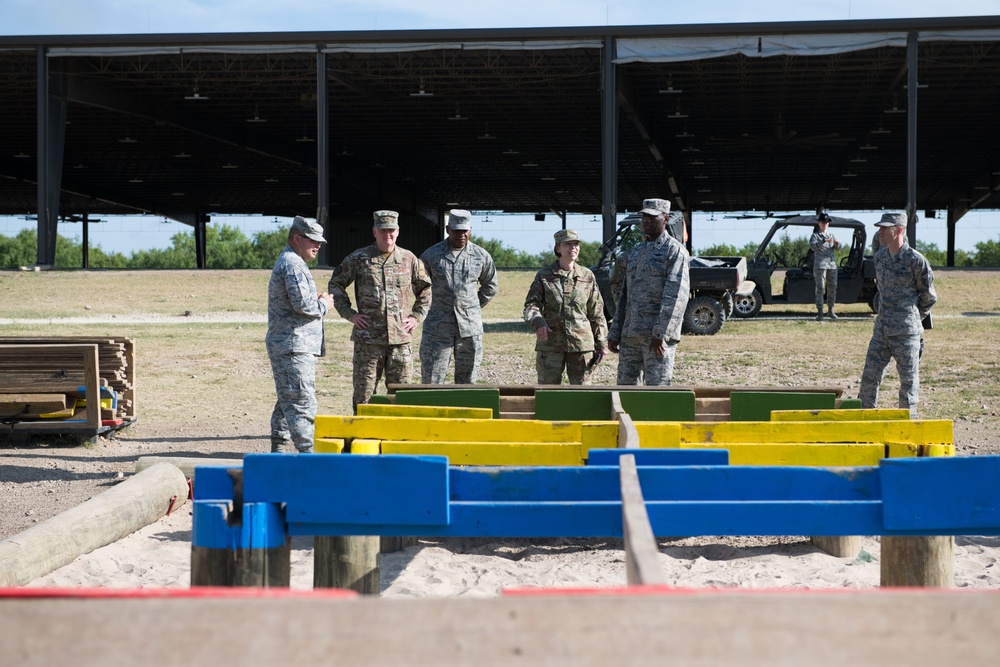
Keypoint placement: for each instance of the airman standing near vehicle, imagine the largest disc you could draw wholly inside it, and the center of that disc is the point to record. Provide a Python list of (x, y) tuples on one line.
[(295, 337), (463, 280), (903, 303), (650, 310), (386, 277), (823, 244), (565, 307)]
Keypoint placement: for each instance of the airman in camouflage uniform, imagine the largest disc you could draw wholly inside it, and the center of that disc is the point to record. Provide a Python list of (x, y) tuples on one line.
[(386, 277), (650, 310), (295, 337), (565, 307), (823, 244), (905, 297), (463, 280)]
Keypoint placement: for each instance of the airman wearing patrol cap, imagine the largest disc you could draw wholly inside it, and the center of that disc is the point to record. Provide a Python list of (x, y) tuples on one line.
[(903, 302), (463, 280), (386, 279), (565, 307), (294, 338), (650, 309)]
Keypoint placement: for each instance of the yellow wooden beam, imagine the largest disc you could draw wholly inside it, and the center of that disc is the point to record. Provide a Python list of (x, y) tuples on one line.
[(917, 431), (442, 412), (798, 454), (455, 430), (492, 454), (328, 445), (366, 446), (839, 415)]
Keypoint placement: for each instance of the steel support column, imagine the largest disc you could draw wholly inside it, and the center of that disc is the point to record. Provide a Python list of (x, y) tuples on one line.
[(609, 139), (323, 152), (911, 138), (51, 141), (952, 222)]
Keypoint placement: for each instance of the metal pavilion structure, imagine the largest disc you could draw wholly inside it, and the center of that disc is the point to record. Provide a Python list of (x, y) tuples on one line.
[(765, 117)]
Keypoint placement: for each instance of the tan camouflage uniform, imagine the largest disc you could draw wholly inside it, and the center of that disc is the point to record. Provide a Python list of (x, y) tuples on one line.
[(569, 303), (905, 296), (654, 296), (383, 289)]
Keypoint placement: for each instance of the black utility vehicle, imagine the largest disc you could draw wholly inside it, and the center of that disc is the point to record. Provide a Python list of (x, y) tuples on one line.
[(855, 277)]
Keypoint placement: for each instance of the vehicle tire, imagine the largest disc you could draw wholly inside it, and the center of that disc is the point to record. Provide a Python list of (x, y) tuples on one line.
[(749, 305), (704, 316), (729, 304)]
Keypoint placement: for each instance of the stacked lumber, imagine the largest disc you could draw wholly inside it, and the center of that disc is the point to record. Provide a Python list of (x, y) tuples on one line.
[(35, 376)]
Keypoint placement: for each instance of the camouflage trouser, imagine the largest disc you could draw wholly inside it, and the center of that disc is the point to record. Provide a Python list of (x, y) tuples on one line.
[(549, 366), (435, 355), (635, 359), (292, 421), (826, 280), (905, 350), (371, 360)]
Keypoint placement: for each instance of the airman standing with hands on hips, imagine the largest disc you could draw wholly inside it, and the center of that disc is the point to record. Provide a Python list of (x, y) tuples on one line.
[(386, 278), (823, 243)]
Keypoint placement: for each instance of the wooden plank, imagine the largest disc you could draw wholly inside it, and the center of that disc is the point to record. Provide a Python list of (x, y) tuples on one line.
[(890, 627), (642, 565), (186, 464), (453, 430), (660, 457), (754, 406), (342, 488), (838, 415), (912, 490), (918, 431), (30, 405), (492, 453), (798, 453), (438, 411)]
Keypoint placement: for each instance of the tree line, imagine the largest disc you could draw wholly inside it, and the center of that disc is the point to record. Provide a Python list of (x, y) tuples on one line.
[(229, 248)]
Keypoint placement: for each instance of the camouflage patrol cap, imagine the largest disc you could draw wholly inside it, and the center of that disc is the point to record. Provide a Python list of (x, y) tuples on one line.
[(459, 219), (565, 235), (892, 219), (655, 206), (308, 228), (386, 219)]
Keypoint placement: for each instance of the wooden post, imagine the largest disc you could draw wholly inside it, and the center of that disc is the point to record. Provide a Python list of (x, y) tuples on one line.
[(838, 546), (250, 549), (391, 544), (350, 561), (927, 561)]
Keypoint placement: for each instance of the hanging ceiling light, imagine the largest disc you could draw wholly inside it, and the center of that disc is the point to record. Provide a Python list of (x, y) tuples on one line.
[(458, 115), (421, 92), (196, 95), (670, 90), (256, 117)]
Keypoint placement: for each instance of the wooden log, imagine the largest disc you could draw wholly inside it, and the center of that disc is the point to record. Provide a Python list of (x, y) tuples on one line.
[(927, 561), (350, 562), (642, 566), (106, 518), (838, 546)]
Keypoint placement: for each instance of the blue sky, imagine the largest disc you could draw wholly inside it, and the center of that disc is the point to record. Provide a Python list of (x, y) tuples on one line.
[(54, 17)]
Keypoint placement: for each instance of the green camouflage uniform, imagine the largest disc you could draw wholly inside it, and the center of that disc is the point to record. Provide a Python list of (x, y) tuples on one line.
[(383, 289), (569, 303)]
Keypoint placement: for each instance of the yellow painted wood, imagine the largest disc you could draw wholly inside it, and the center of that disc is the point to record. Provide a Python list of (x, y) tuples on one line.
[(937, 450), (917, 431), (798, 454), (453, 430), (366, 446), (902, 450), (442, 412), (598, 435), (839, 415), (659, 434), (328, 445), (492, 454)]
